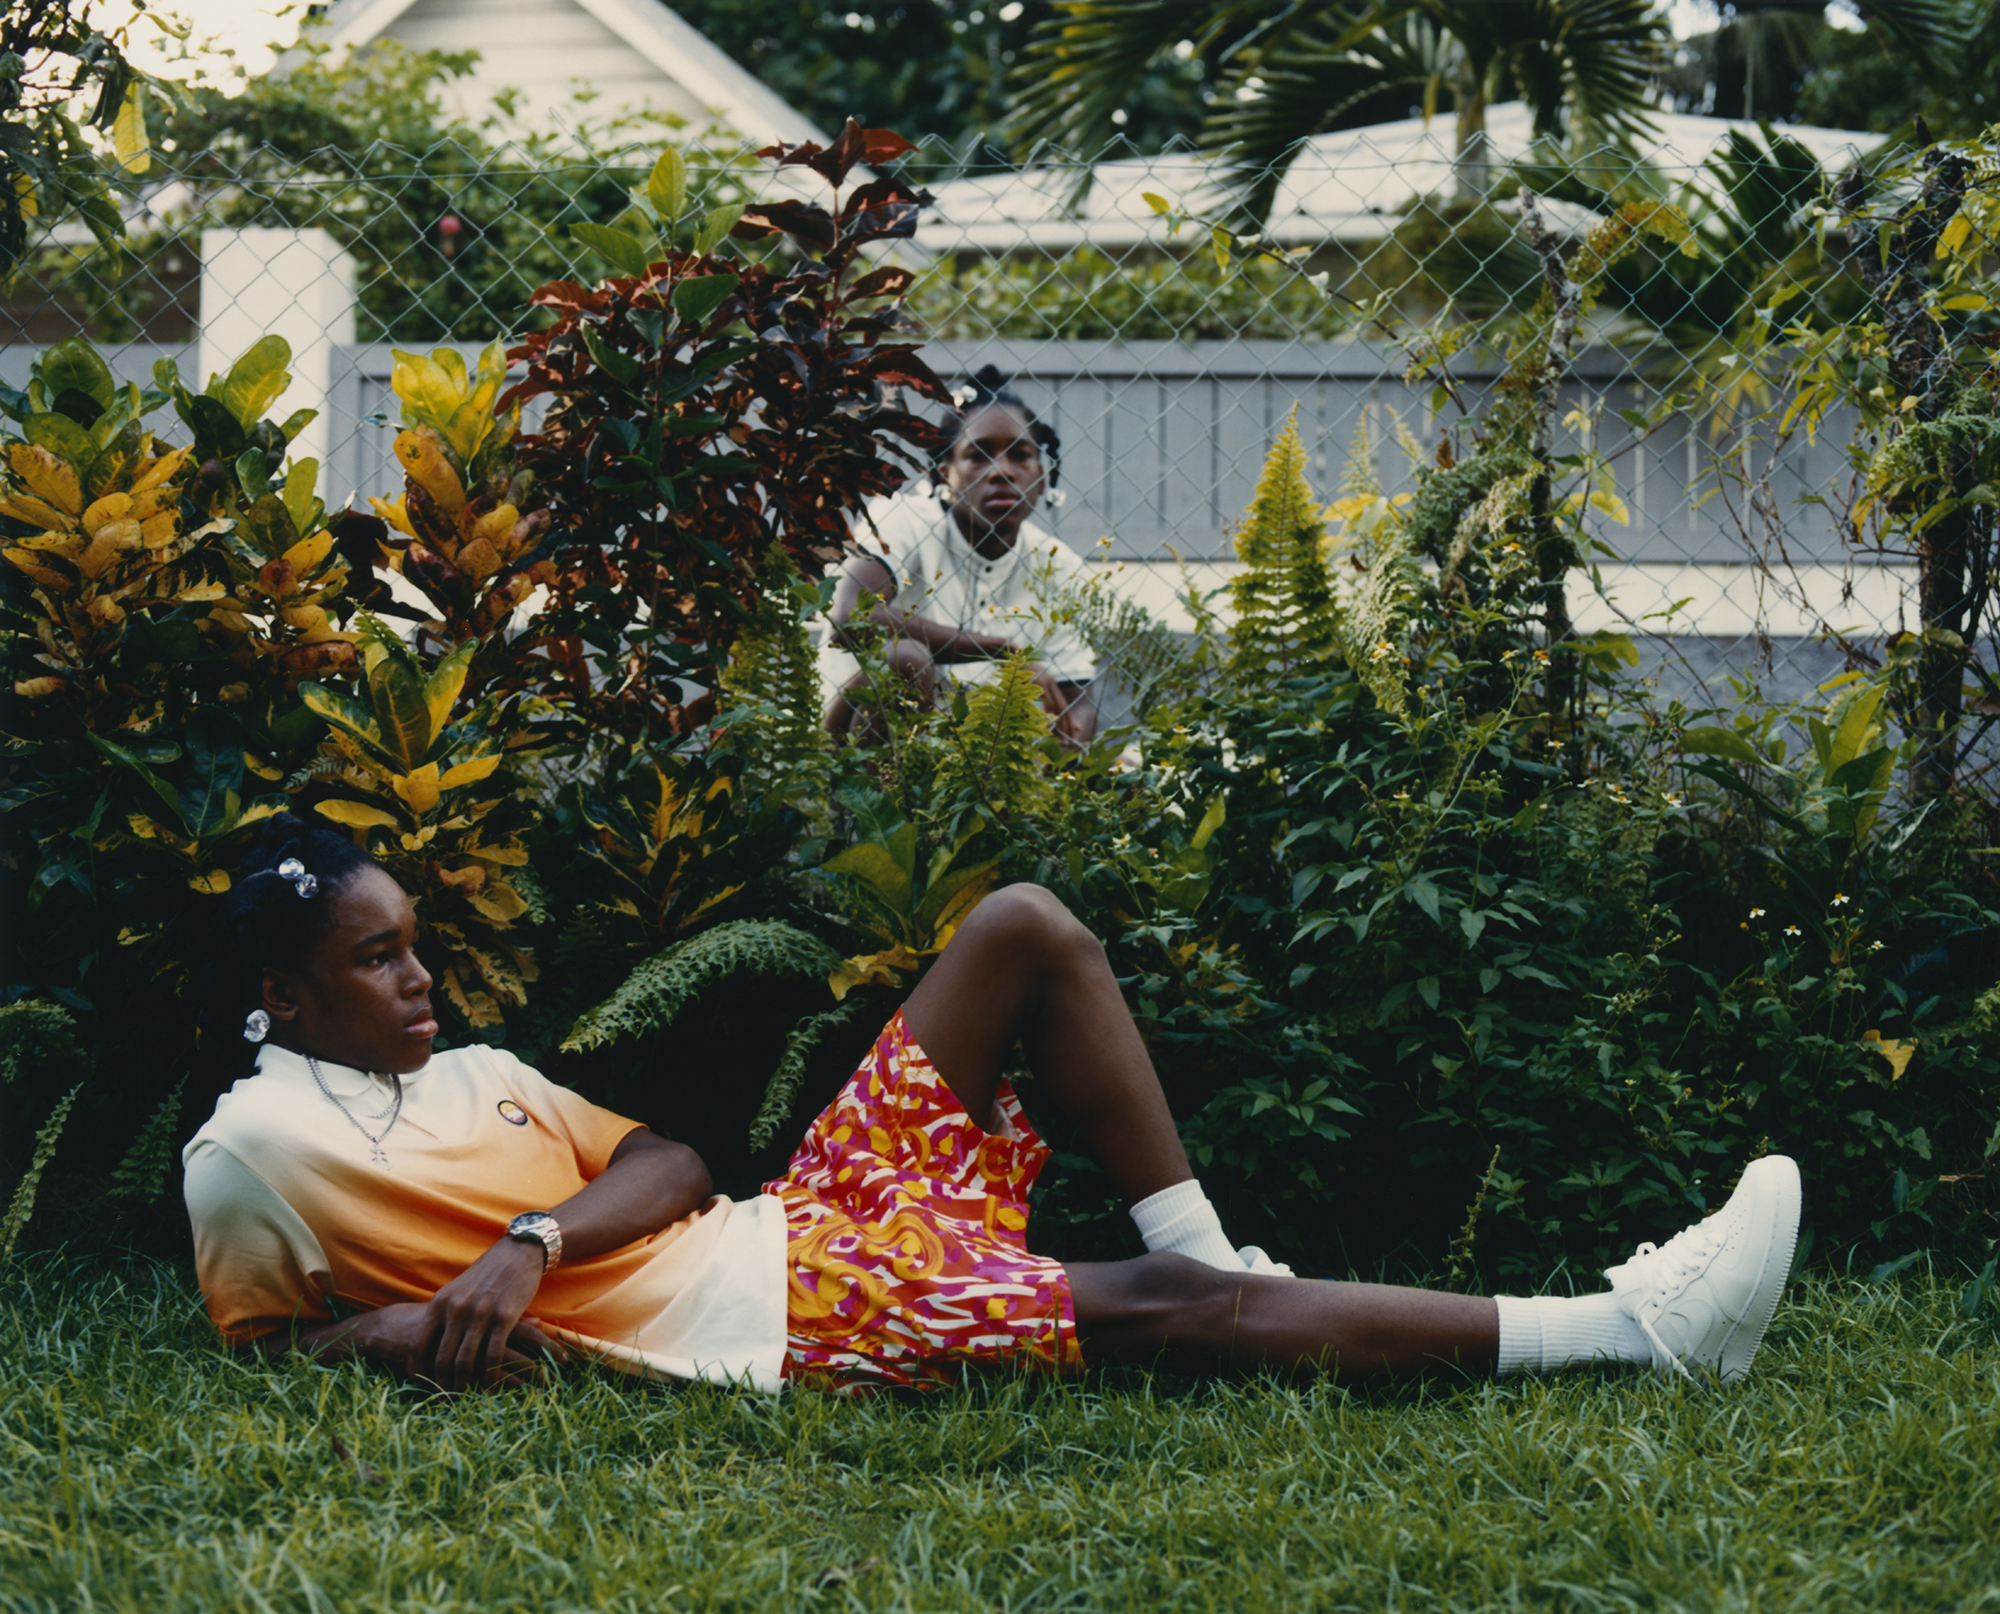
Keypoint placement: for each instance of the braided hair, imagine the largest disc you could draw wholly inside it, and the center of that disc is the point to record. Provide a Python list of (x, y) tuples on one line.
[(987, 388), (264, 923)]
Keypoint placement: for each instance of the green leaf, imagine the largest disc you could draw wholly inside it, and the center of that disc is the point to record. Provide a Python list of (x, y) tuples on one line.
[(1425, 895), (667, 188), (1711, 741), (125, 758), (74, 364), (624, 251), (254, 381), (939, 894), (1472, 924), (1211, 821), (128, 132), (1855, 728), (63, 438), (875, 867), (621, 367), (269, 523), (344, 712), (716, 223), (697, 298), (112, 469), (398, 691), (252, 474), (301, 478), (447, 679), (212, 778)]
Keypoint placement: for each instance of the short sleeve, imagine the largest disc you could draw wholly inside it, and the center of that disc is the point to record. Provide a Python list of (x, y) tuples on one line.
[(259, 1265), (592, 1131)]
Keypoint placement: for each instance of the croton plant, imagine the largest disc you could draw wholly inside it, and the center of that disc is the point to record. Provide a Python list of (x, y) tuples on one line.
[(701, 409)]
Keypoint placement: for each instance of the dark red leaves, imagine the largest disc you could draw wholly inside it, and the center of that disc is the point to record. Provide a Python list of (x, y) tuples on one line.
[(806, 222), (855, 145), (674, 455), (890, 282)]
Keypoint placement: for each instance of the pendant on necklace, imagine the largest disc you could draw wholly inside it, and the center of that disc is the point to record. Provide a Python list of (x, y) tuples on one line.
[(378, 1156)]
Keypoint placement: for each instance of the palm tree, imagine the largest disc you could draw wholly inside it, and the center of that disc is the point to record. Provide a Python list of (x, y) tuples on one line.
[(1586, 67)]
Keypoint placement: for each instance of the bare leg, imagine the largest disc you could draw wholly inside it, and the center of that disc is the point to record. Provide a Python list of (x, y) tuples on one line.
[(847, 717), (1022, 969), (1138, 1310)]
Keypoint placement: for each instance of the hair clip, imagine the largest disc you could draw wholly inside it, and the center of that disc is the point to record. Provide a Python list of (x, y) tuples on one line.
[(256, 1026), (295, 871)]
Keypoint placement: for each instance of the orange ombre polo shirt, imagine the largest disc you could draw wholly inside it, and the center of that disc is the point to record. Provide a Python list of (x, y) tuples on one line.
[(294, 1220)]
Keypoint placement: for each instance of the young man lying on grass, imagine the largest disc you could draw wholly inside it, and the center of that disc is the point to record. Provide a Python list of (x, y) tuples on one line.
[(460, 1218)]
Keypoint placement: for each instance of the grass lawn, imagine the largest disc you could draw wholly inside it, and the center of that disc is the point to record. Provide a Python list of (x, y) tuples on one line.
[(141, 1468)]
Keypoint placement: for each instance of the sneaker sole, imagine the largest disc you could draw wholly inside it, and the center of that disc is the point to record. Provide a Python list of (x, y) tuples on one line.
[(1741, 1344)]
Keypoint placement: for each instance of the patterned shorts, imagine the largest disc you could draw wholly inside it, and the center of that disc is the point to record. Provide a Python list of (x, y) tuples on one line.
[(904, 1222)]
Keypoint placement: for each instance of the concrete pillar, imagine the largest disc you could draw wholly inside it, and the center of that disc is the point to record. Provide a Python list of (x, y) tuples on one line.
[(297, 284)]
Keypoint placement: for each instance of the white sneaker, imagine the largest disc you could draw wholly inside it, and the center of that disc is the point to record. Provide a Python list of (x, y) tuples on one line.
[(1704, 1298), (1260, 1265)]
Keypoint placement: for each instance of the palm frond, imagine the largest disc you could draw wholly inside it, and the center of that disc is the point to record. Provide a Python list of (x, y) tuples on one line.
[(1306, 81), (1084, 62), (1931, 28)]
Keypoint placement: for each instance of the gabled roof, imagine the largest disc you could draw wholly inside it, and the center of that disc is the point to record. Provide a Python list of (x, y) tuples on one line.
[(627, 52), (1347, 186)]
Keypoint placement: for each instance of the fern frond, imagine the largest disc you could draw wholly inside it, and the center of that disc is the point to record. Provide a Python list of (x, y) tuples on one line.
[(771, 694), (142, 1174), (1129, 642), (23, 1204), (783, 1086), (993, 754), (652, 997), (36, 1035), (1378, 617), (1359, 477), (1287, 614)]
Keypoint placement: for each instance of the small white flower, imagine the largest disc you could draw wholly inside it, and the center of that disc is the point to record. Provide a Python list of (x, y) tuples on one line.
[(1840, 899), (1756, 913), (1382, 648), (1791, 930), (1874, 947)]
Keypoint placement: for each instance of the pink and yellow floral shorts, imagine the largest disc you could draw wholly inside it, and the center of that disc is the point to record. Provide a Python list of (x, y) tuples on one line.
[(904, 1223)]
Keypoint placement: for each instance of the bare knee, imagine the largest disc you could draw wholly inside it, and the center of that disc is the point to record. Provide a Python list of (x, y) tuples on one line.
[(1157, 1302), (1031, 921)]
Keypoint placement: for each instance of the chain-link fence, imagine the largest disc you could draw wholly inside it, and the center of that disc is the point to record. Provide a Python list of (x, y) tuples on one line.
[(1726, 544)]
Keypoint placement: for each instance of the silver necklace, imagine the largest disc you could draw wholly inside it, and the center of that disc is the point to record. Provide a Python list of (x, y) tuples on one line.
[(377, 1155)]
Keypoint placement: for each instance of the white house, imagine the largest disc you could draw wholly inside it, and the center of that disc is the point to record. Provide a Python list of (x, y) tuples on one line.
[(626, 55), (1346, 187)]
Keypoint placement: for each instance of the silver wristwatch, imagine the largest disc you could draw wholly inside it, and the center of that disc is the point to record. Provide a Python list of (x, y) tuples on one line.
[(539, 1227)]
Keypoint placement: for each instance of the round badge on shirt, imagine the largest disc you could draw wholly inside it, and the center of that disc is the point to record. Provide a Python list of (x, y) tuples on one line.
[(513, 1113)]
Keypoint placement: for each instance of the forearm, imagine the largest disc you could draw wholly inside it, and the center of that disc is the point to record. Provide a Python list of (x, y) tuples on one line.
[(944, 642), (650, 1184)]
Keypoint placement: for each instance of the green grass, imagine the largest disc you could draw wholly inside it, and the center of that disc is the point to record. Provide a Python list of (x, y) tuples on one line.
[(141, 1468)]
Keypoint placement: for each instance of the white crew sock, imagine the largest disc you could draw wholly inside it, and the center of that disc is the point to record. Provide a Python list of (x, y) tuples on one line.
[(1181, 1219), (1544, 1332)]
